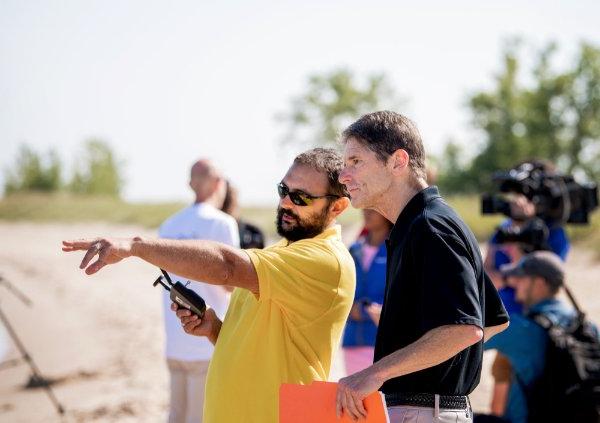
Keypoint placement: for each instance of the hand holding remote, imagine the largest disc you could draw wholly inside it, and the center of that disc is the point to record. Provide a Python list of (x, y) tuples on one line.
[(209, 325), (182, 295)]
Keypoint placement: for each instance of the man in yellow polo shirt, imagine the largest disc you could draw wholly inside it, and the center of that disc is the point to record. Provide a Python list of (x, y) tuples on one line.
[(285, 320)]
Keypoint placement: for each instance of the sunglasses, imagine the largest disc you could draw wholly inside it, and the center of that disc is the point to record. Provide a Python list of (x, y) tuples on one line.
[(299, 198)]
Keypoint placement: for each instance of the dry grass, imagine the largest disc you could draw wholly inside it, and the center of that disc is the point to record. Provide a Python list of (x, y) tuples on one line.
[(68, 208)]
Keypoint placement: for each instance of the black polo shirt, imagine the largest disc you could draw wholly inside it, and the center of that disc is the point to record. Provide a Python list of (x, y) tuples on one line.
[(435, 277)]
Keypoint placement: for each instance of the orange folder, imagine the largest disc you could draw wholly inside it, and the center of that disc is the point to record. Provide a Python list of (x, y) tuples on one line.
[(316, 403)]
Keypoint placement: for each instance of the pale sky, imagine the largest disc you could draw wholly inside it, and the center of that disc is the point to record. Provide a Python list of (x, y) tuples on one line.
[(168, 82)]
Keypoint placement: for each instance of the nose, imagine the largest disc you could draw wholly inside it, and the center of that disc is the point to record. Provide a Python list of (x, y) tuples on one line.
[(286, 203), (344, 177)]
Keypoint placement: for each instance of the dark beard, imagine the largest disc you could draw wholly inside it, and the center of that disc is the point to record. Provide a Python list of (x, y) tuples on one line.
[(303, 229)]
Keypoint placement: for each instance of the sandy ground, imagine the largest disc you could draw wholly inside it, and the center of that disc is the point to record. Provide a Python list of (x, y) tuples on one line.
[(100, 338)]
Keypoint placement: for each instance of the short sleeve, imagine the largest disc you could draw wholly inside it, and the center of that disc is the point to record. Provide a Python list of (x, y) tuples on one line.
[(302, 278), (495, 312), (449, 287), (524, 343)]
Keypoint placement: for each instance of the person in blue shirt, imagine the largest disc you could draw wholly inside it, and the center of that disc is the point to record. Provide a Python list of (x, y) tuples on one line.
[(498, 254), (370, 257), (537, 279), (501, 254)]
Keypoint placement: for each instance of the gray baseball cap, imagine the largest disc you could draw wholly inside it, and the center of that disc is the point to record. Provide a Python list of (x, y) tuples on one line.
[(544, 264)]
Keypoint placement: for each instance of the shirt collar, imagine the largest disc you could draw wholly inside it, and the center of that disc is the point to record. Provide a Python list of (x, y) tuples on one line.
[(412, 209), (203, 205), (333, 232)]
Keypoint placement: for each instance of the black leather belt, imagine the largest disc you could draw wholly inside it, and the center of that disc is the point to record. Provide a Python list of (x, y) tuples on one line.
[(449, 402)]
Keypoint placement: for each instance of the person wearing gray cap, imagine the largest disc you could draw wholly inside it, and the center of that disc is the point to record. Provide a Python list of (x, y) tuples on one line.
[(542, 273), (537, 279)]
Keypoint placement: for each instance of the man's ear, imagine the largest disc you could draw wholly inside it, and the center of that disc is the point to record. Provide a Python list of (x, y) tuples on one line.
[(398, 160), (338, 206)]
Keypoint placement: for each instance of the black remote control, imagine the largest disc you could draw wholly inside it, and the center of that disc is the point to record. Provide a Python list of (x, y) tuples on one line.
[(181, 295)]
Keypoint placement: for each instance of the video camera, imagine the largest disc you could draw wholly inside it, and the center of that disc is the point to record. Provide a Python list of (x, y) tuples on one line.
[(557, 198)]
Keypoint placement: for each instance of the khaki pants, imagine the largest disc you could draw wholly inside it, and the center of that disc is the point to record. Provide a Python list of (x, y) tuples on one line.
[(410, 414), (187, 390)]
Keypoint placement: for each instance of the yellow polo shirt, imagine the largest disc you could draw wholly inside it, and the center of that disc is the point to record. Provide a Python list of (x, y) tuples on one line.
[(288, 334)]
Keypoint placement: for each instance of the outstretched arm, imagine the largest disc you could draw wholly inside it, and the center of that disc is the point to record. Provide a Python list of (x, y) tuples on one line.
[(207, 261)]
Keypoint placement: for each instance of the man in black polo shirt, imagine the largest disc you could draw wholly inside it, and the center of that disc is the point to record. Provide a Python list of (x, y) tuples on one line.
[(439, 304)]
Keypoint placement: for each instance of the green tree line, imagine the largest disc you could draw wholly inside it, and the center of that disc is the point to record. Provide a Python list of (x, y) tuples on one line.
[(97, 171)]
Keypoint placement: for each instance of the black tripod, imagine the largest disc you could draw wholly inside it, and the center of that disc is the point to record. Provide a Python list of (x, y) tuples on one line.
[(36, 377)]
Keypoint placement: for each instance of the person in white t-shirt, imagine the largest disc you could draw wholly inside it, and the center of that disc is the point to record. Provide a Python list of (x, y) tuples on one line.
[(188, 356)]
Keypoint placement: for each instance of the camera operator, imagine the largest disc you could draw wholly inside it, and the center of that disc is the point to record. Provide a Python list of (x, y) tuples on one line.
[(521, 209), (499, 253), (521, 233), (535, 188)]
